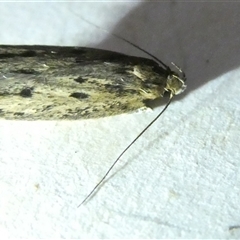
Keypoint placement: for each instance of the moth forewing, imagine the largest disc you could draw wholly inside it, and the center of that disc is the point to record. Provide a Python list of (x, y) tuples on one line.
[(53, 83)]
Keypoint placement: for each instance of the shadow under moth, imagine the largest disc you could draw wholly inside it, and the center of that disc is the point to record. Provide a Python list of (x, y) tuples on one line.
[(54, 83)]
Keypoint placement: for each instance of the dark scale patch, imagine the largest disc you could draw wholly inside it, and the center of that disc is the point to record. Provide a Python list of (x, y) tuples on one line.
[(18, 113), (66, 116), (77, 51), (161, 71), (132, 91), (28, 54), (83, 111), (119, 89), (80, 80), (124, 106), (26, 71), (114, 88), (79, 95), (123, 70), (83, 61), (7, 55), (46, 108), (70, 110), (26, 92), (23, 54)]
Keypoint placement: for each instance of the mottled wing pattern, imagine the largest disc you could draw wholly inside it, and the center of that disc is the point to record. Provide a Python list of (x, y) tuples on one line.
[(51, 83)]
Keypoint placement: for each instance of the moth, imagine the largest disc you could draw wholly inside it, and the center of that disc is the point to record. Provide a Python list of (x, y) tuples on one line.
[(54, 83)]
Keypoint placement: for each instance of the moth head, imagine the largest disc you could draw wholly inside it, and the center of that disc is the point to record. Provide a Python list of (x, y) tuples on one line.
[(175, 83)]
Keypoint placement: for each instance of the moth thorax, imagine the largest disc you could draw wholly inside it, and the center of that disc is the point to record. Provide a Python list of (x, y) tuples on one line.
[(175, 84)]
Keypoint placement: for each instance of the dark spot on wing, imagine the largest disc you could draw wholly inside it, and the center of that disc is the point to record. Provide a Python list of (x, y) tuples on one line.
[(46, 108), (28, 54), (6, 55), (79, 95), (119, 89), (83, 61), (26, 71), (19, 113), (26, 92), (23, 54), (114, 88), (77, 51), (70, 110), (79, 80), (132, 91), (123, 70), (124, 106)]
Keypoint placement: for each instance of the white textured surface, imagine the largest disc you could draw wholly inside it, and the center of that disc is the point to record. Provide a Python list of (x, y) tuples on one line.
[(180, 180)]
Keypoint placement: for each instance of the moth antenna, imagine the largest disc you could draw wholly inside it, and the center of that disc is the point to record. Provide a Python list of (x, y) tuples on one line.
[(127, 41), (180, 70), (115, 162)]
